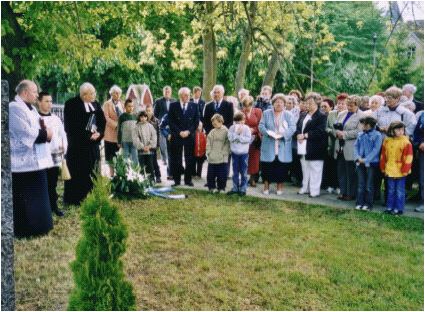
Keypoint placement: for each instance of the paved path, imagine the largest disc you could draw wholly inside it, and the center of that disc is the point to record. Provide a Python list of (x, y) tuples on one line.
[(289, 194)]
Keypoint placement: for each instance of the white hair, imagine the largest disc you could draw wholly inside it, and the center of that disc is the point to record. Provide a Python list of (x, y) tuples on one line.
[(115, 88), (377, 98), (243, 90), (409, 87), (184, 90), (220, 87), (86, 86)]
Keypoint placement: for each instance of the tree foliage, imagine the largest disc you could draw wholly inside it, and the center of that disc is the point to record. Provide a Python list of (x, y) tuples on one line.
[(100, 283), (326, 46)]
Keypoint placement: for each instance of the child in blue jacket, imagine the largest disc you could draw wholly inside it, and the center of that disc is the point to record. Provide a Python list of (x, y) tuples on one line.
[(367, 150)]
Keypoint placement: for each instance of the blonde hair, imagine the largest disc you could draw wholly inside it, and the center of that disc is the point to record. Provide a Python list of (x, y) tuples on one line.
[(393, 92), (248, 100), (357, 100), (316, 97), (279, 96), (217, 117)]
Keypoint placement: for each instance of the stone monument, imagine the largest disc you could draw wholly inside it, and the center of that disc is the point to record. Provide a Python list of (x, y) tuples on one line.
[(7, 237)]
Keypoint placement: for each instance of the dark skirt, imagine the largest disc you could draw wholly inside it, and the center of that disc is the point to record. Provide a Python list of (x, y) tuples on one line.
[(275, 171), (32, 214)]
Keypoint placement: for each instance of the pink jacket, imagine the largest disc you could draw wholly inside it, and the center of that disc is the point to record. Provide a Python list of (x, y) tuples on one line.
[(111, 130)]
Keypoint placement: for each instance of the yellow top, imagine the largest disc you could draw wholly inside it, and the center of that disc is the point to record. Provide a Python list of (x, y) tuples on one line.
[(396, 157)]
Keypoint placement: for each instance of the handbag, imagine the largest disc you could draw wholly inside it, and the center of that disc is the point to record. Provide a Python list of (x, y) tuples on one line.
[(65, 175)]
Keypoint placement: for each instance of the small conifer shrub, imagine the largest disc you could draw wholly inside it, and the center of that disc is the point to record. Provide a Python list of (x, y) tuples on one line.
[(98, 270)]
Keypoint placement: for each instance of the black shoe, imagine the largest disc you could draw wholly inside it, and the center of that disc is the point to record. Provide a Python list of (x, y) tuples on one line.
[(242, 193), (388, 211), (170, 178), (232, 193), (158, 180), (175, 184), (189, 184), (58, 212), (206, 184)]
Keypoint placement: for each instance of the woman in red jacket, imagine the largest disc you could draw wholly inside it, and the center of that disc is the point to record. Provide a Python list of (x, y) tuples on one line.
[(252, 120)]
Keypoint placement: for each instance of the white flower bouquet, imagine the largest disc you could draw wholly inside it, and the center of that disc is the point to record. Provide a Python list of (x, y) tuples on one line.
[(128, 181)]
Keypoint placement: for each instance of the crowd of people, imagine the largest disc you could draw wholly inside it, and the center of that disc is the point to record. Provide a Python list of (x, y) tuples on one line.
[(351, 148)]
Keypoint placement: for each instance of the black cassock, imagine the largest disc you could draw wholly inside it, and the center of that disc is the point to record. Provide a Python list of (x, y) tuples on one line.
[(83, 154)]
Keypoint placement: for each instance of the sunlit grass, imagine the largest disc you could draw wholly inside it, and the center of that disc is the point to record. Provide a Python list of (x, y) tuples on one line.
[(213, 252)]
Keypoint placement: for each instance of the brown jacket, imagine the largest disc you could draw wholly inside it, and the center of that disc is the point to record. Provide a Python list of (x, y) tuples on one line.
[(111, 130)]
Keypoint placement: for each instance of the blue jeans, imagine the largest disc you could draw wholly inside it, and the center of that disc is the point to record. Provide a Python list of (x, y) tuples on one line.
[(240, 167), (365, 189), (396, 193), (129, 150)]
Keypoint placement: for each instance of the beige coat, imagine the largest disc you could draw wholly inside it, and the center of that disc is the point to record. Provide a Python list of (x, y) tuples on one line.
[(351, 129), (218, 146), (111, 131)]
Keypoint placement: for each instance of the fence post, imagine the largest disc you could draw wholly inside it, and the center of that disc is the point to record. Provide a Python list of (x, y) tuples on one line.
[(7, 236)]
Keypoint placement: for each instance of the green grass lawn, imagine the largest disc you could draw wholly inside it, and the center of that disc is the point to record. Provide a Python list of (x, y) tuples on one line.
[(214, 252)]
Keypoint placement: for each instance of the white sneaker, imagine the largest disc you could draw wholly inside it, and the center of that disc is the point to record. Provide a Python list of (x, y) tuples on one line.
[(365, 208), (358, 207), (337, 191), (330, 190), (266, 192), (279, 192)]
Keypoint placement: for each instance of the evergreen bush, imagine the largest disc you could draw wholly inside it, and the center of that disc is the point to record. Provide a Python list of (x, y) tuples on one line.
[(98, 270)]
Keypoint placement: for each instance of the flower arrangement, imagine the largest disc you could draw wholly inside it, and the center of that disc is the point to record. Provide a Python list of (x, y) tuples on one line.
[(128, 181)]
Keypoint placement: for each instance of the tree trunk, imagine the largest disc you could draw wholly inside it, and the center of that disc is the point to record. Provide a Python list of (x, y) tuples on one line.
[(209, 54), (10, 42), (246, 49), (272, 69)]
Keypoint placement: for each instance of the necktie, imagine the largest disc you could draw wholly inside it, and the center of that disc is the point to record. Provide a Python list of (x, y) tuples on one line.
[(184, 108), (118, 110), (216, 106)]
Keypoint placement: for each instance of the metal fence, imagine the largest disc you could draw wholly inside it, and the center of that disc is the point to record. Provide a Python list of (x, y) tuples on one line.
[(57, 109)]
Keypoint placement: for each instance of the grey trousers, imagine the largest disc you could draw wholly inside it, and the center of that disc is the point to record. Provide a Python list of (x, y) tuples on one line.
[(347, 178)]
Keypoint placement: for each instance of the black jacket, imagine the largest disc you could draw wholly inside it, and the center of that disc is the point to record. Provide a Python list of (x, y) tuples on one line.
[(160, 107), (201, 106), (225, 110), (317, 141), (76, 119), (179, 121)]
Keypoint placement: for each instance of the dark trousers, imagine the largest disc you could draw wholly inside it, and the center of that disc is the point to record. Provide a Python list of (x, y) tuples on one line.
[(155, 165), (365, 189), (396, 193), (296, 171), (329, 177), (146, 164), (197, 166), (176, 160), (347, 176), (52, 182), (217, 176)]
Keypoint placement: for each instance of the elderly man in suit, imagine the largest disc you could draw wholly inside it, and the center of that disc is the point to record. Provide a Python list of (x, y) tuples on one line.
[(348, 126), (220, 106), (84, 122), (183, 119), (161, 107)]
